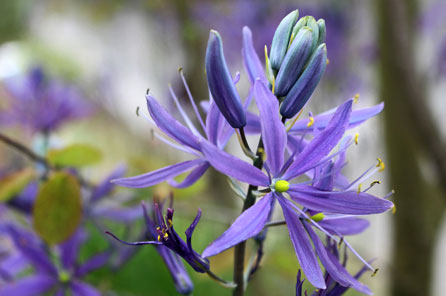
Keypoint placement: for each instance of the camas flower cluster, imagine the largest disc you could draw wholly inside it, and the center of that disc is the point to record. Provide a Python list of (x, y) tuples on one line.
[(289, 147)]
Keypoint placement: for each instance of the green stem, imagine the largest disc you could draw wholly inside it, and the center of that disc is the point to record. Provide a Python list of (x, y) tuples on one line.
[(239, 250)]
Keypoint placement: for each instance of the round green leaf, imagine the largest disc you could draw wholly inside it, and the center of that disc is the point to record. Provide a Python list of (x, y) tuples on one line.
[(14, 183), (57, 211), (77, 155)]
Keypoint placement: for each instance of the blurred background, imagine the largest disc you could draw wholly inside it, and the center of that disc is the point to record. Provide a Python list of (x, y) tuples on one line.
[(111, 52)]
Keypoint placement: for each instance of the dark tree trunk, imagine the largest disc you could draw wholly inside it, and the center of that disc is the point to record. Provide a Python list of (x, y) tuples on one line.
[(411, 138)]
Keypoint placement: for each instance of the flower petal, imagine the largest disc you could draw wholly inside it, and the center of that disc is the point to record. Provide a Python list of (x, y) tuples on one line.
[(93, 263), (345, 226), (322, 144), (340, 202), (158, 176), (170, 125), (232, 166), (247, 225), (34, 285), (193, 177), (273, 131), (251, 59), (332, 265), (321, 121), (302, 245), (70, 248), (79, 288), (105, 187)]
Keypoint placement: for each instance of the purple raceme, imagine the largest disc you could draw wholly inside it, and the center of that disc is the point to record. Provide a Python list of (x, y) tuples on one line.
[(59, 278), (42, 104), (171, 247), (276, 182)]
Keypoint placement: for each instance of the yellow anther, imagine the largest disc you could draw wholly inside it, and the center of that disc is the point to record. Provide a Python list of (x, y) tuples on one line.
[(158, 228), (169, 222), (318, 217), (357, 138), (159, 238), (355, 98), (375, 272), (166, 235), (64, 276), (380, 164), (311, 121), (294, 120), (281, 186), (393, 209), (375, 182), (262, 153), (328, 61), (359, 187)]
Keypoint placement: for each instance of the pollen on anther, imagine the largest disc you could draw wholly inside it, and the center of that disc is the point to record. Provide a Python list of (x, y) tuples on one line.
[(394, 209), (357, 138), (311, 121), (380, 164), (359, 188), (159, 238), (355, 98)]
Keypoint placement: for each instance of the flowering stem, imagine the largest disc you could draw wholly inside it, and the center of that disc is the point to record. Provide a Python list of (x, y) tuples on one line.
[(239, 250), (39, 159)]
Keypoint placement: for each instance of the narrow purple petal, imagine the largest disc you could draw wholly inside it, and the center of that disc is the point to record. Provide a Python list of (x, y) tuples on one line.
[(70, 248), (250, 58), (105, 187), (93, 263), (213, 120), (34, 285), (345, 226), (134, 243), (332, 265), (116, 213), (341, 202), (193, 177), (158, 176), (190, 230), (30, 247), (232, 166), (247, 225), (79, 288), (321, 121), (273, 131), (170, 125), (302, 245), (321, 144)]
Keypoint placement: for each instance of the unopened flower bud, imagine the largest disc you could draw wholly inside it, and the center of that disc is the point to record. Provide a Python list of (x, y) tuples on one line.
[(220, 83), (281, 39)]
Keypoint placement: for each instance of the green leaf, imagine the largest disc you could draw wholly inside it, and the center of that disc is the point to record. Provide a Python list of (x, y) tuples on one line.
[(77, 155), (14, 183), (57, 211)]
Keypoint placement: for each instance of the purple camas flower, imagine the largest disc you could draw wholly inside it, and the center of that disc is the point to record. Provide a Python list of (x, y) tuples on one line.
[(279, 173), (60, 278), (171, 247), (41, 104)]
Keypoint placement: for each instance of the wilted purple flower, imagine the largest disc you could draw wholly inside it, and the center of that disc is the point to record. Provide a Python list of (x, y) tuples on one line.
[(314, 154), (160, 232), (220, 83), (48, 277), (41, 104)]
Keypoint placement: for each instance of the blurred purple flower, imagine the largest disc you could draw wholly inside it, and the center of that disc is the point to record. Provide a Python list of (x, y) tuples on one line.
[(49, 276), (41, 104)]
